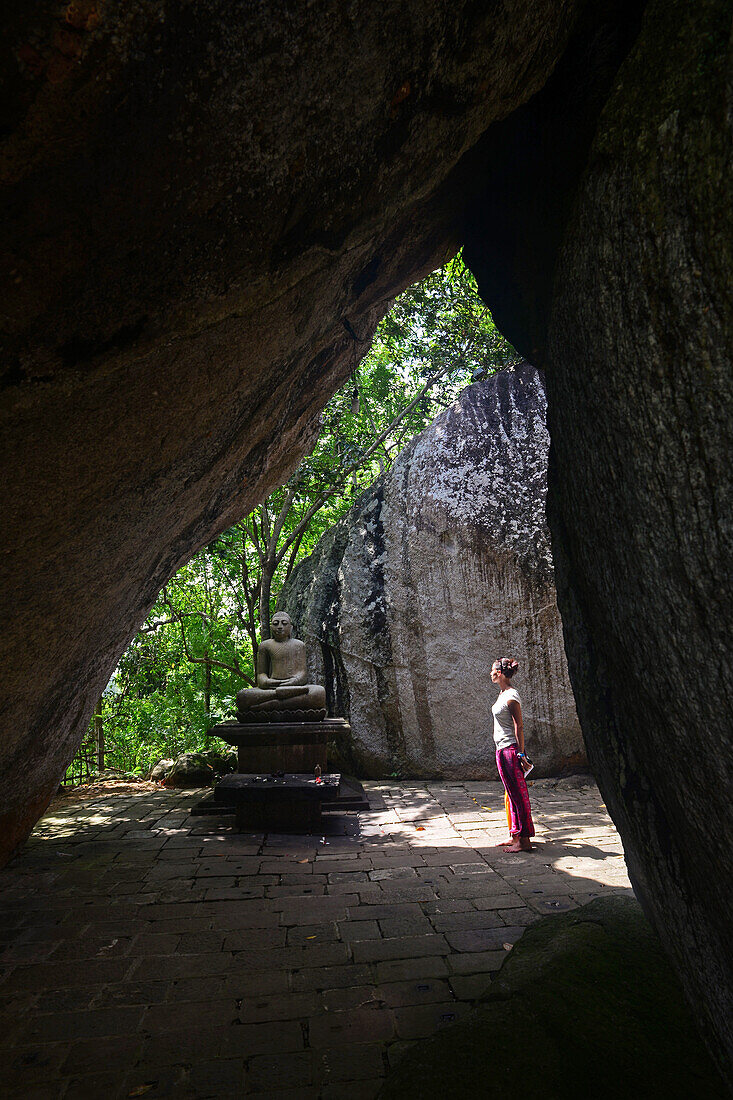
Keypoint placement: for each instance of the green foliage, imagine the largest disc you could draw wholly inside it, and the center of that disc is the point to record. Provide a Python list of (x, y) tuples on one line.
[(438, 329), (199, 644)]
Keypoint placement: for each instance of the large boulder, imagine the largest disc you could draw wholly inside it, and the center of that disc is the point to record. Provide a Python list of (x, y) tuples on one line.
[(191, 769), (647, 579), (585, 1005), (161, 769), (442, 566), (223, 762), (633, 318)]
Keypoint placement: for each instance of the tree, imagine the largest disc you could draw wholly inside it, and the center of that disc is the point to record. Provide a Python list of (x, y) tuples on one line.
[(438, 336)]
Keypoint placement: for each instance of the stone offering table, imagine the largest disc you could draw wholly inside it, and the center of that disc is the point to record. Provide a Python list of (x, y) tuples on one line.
[(285, 803), (281, 746)]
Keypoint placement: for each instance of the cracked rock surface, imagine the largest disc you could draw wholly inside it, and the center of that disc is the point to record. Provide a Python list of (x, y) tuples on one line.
[(443, 565)]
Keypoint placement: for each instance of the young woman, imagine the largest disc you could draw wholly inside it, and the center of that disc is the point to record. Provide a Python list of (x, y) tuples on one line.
[(509, 740)]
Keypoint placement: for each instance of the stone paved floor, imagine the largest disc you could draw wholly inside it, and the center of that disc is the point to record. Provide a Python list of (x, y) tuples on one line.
[(151, 953)]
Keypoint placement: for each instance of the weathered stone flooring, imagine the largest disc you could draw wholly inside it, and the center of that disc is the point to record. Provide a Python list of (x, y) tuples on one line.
[(151, 953)]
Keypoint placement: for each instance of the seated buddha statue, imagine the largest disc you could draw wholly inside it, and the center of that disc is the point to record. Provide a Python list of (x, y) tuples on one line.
[(282, 680)]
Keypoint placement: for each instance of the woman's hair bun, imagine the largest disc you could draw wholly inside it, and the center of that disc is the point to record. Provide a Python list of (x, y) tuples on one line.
[(508, 666)]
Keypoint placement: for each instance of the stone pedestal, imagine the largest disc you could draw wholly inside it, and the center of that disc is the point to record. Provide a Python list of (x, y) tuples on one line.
[(288, 803), (295, 747)]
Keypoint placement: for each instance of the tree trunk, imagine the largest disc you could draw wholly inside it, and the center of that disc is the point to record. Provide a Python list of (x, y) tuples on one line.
[(268, 571), (207, 687), (99, 735)]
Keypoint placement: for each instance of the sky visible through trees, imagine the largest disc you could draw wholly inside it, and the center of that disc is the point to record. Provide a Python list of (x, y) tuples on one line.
[(198, 646)]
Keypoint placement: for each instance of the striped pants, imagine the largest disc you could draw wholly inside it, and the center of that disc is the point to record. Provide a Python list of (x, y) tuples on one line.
[(515, 786)]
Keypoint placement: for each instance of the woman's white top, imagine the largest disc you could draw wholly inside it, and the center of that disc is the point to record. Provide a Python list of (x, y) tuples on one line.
[(504, 734)]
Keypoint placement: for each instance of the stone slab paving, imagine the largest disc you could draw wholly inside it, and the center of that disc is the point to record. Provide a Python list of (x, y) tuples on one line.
[(150, 953)]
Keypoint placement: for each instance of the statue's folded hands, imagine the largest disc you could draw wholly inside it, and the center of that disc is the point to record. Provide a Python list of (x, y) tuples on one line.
[(281, 658)]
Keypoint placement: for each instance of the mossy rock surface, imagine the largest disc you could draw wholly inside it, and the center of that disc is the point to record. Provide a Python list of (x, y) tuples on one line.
[(586, 1005), (191, 769)]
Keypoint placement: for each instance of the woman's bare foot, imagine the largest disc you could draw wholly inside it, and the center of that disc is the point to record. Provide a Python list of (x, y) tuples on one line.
[(519, 844)]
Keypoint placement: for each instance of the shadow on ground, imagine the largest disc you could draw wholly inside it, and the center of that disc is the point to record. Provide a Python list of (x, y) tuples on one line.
[(148, 952), (586, 1005)]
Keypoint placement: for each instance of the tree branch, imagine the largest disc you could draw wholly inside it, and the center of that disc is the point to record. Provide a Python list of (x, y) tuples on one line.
[(265, 523), (253, 534), (294, 553), (236, 670), (283, 513)]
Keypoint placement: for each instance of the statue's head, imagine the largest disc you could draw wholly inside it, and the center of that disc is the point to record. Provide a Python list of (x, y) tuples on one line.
[(281, 626)]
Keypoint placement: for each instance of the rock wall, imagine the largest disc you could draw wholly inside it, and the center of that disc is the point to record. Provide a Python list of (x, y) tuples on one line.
[(646, 580), (443, 565), (635, 316)]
